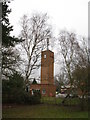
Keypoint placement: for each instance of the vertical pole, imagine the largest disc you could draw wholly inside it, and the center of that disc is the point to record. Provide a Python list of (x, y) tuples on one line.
[(89, 30), (0, 60), (89, 52), (47, 43)]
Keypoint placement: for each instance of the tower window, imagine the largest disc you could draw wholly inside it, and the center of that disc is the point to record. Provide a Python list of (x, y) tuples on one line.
[(43, 91), (44, 56)]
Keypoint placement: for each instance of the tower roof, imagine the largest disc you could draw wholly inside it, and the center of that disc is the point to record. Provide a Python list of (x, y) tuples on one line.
[(47, 51)]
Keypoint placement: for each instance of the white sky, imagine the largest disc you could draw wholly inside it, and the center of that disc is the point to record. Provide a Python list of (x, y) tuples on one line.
[(64, 14), (69, 14)]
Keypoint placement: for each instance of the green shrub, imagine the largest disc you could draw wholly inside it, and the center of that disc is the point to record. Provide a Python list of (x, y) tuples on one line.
[(32, 99), (13, 91)]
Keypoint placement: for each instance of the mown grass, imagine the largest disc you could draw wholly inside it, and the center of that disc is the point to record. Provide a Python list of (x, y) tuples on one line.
[(50, 109), (58, 101), (51, 100), (43, 111)]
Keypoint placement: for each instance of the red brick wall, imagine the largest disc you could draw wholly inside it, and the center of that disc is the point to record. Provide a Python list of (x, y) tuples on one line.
[(50, 89), (47, 75), (47, 67)]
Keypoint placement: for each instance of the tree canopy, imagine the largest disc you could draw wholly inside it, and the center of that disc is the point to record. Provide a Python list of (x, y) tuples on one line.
[(9, 55)]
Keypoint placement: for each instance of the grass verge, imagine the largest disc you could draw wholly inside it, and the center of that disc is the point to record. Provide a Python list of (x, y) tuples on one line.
[(42, 111)]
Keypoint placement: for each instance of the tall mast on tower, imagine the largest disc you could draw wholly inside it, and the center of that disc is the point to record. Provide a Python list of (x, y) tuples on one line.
[(47, 43)]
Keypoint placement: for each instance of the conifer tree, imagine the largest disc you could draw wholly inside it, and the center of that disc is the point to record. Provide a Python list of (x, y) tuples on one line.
[(9, 56)]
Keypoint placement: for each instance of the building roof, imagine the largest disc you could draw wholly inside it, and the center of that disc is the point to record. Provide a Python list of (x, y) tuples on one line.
[(48, 51)]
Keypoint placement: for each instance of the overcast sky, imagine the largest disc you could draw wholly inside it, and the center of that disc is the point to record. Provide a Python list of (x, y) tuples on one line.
[(69, 14), (64, 14)]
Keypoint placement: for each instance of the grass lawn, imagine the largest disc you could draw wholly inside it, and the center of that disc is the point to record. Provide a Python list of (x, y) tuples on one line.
[(42, 111), (51, 100)]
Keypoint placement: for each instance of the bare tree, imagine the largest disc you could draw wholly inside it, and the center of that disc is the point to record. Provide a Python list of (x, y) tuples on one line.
[(83, 53), (80, 73), (68, 48), (80, 77), (35, 32), (75, 55)]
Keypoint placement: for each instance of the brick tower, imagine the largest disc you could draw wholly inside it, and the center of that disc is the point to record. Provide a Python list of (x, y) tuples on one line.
[(47, 67), (47, 87)]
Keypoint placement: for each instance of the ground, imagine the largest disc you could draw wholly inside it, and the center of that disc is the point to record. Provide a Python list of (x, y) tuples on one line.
[(49, 109), (43, 111)]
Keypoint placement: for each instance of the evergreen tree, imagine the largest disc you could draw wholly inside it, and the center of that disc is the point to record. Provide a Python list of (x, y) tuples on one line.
[(9, 56), (34, 81), (13, 89), (7, 39)]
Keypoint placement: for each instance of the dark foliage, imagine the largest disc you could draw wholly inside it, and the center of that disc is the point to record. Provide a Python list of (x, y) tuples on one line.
[(13, 91), (9, 56), (32, 99), (7, 39)]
